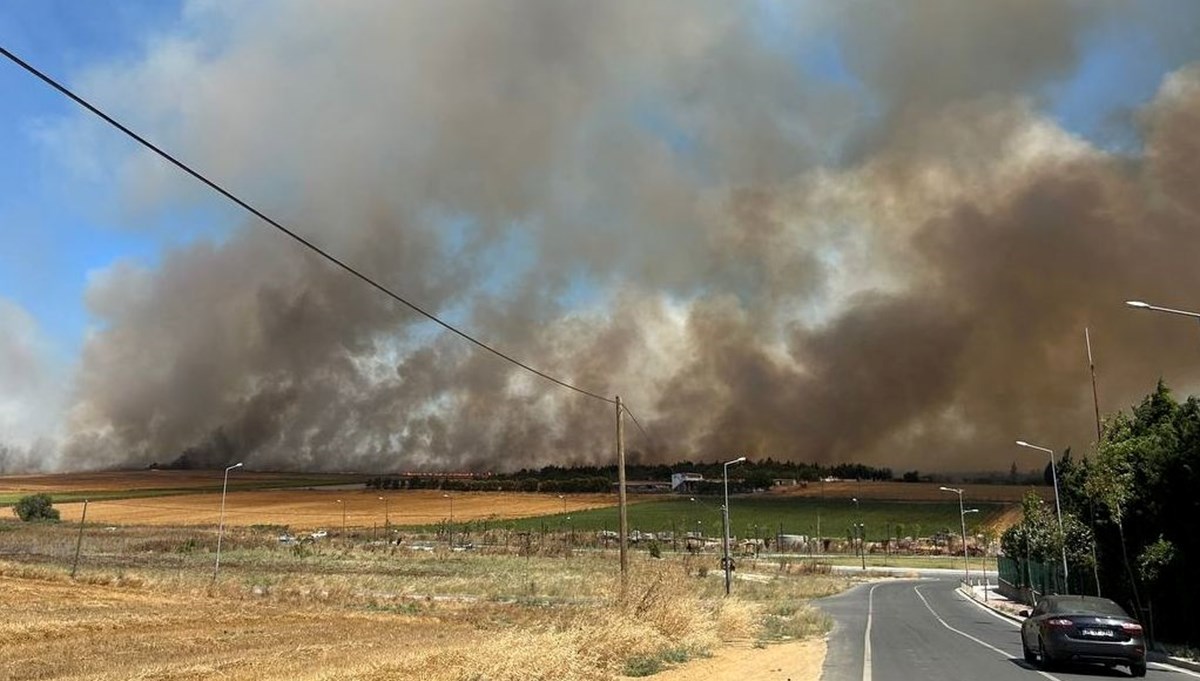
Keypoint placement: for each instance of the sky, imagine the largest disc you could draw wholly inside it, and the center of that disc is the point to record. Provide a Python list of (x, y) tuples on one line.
[(703, 206)]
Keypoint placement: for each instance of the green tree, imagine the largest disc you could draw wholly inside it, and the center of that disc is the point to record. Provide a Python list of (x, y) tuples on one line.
[(36, 507)]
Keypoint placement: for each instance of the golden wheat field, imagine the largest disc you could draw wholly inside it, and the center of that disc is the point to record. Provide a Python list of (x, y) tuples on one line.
[(322, 508)]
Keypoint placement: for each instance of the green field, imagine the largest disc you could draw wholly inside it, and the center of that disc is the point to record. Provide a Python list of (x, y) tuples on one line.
[(767, 515)]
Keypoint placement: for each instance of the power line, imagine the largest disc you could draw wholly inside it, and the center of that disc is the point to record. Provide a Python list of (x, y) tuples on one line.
[(305, 242), (637, 423)]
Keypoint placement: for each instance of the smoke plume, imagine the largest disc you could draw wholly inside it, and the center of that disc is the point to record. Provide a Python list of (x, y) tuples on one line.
[(888, 260)]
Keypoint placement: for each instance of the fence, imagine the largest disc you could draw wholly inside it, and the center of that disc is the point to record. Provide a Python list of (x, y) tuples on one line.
[(1027, 580)]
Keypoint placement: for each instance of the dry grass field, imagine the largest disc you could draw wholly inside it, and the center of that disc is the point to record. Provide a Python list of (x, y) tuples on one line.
[(145, 606), (145, 603), (307, 509)]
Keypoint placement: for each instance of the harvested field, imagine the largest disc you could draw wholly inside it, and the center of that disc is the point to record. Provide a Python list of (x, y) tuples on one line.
[(317, 508), (60, 629), (912, 491), (354, 612), (116, 481)]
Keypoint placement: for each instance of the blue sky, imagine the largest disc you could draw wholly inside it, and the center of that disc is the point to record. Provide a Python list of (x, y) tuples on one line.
[(59, 226)]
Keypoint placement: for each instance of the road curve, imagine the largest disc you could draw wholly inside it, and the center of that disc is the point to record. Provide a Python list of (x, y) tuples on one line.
[(925, 630)]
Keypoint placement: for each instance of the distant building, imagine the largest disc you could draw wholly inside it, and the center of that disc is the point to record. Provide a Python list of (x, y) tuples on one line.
[(643, 486), (685, 482)]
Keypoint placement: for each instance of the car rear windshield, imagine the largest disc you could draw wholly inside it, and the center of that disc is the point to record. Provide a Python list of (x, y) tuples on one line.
[(1086, 606)]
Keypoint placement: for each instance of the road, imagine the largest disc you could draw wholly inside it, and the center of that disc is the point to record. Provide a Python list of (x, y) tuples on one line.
[(924, 630)]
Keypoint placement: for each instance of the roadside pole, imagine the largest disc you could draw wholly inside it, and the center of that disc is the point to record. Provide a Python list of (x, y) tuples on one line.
[(624, 521), (79, 539)]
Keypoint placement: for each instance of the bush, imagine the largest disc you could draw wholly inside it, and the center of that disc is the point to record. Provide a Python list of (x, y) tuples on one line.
[(36, 507)]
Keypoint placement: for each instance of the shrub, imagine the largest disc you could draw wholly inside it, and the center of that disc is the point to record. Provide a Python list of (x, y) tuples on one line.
[(36, 507)]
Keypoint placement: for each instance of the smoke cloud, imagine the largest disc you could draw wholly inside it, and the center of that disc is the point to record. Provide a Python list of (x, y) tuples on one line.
[(888, 260), (31, 393)]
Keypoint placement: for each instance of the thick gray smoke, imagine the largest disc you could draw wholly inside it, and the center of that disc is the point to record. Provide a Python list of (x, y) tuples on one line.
[(646, 199)]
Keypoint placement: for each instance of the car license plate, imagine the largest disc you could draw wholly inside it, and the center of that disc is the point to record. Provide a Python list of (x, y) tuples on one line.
[(1099, 633)]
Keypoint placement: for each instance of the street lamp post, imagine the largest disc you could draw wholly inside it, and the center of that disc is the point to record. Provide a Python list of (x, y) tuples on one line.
[(1155, 308), (387, 516), (962, 517), (1057, 507), (860, 531), (343, 516), (221, 523), (450, 533), (728, 565)]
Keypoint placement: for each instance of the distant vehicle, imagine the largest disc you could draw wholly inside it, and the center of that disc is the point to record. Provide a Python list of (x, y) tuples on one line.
[(1083, 629), (286, 538), (319, 534)]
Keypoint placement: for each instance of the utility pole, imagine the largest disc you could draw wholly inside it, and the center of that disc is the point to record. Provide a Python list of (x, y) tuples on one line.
[(624, 517), (79, 539), (1087, 337)]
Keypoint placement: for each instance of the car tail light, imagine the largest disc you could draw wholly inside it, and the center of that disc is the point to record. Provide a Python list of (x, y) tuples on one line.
[(1060, 622), (1131, 627)]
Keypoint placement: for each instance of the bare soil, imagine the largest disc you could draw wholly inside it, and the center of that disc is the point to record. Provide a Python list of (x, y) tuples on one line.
[(119, 481)]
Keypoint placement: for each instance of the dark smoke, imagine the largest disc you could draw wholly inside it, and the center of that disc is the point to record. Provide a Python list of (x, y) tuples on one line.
[(639, 199)]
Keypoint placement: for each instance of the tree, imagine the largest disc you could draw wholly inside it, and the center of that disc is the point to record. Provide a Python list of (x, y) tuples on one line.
[(36, 507)]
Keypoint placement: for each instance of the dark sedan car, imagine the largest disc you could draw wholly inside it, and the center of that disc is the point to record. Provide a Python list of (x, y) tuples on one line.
[(1083, 629)]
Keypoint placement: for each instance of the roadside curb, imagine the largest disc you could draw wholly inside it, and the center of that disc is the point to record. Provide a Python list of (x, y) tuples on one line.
[(1163, 658), (1152, 656)]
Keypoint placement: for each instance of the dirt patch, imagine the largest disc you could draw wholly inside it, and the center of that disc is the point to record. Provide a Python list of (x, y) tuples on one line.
[(311, 509), (124, 481), (795, 661), (911, 491)]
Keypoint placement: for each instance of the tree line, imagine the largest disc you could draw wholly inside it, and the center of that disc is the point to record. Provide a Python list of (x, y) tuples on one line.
[(1129, 514), (750, 475)]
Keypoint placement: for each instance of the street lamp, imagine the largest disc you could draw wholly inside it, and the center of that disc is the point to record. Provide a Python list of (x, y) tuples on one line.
[(1057, 504), (728, 565), (860, 531), (387, 516), (962, 517), (450, 533), (221, 524), (343, 516), (1155, 308)]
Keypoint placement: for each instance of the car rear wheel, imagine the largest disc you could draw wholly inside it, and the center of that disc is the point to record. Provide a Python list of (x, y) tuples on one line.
[(1138, 668), (1047, 662), (1030, 656)]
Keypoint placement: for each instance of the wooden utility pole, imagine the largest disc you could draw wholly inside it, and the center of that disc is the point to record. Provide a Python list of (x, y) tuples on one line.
[(1087, 337), (624, 521), (79, 540)]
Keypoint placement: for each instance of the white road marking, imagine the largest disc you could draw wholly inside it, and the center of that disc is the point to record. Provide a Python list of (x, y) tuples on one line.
[(867, 635), (986, 609), (964, 634)]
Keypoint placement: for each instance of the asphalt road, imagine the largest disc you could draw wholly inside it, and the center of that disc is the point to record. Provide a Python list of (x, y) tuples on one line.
[(924, 630)]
